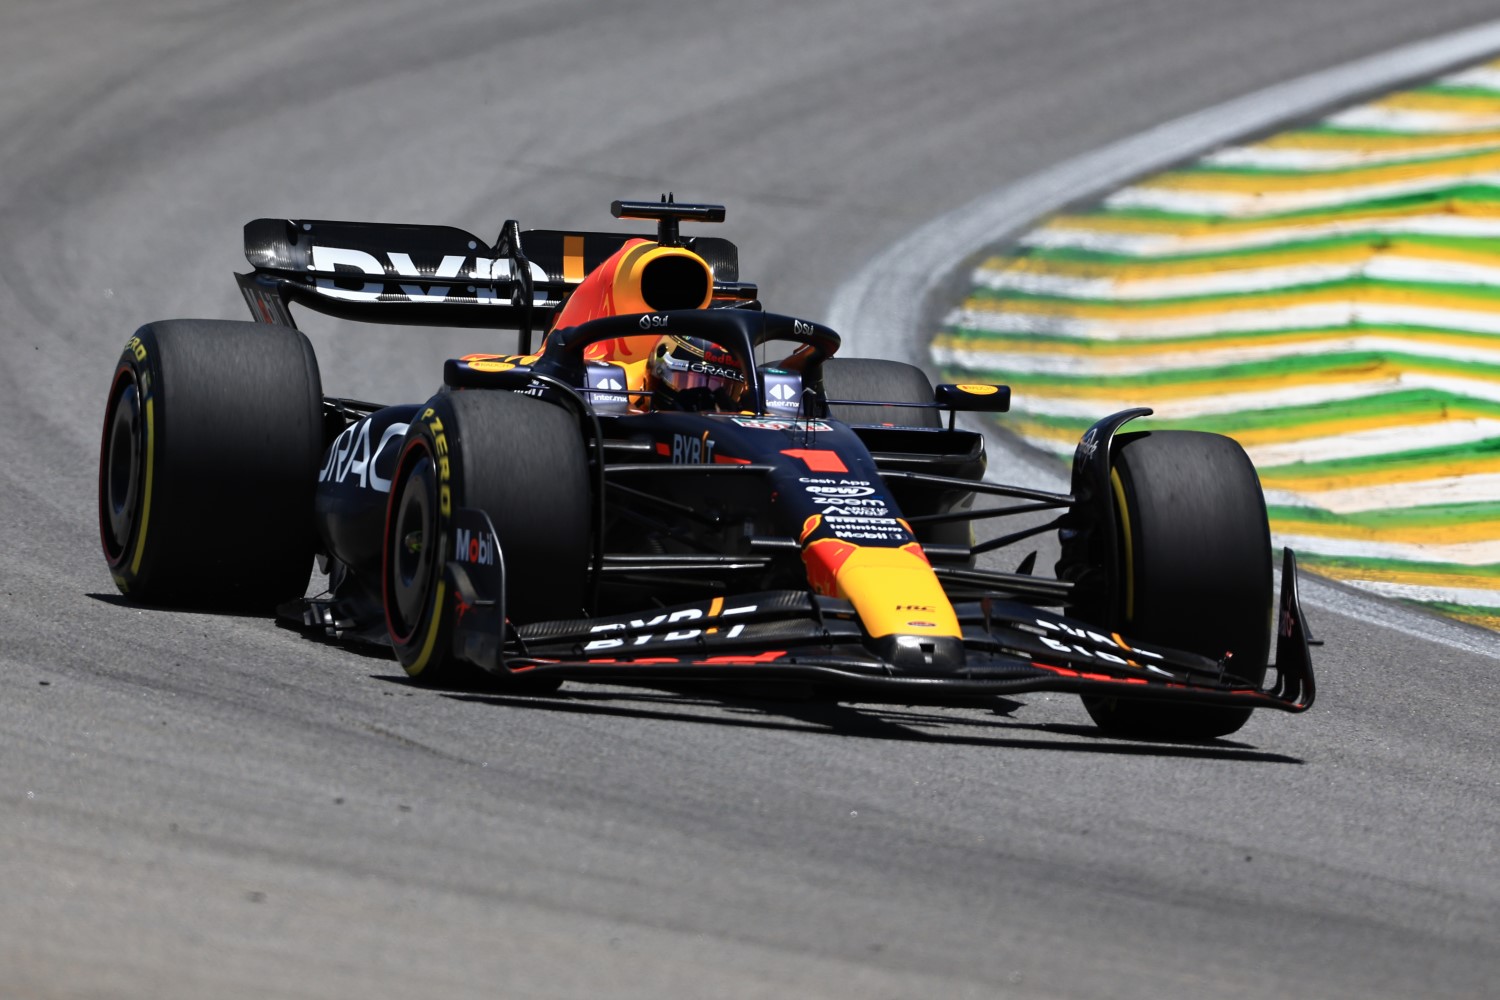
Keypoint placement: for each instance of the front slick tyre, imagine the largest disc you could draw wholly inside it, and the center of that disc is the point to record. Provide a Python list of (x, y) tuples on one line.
[(521, 461), (1195, 571), (208, 463)]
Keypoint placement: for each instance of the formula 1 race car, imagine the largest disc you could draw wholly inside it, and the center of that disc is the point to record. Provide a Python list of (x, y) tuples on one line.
[(674, 486)]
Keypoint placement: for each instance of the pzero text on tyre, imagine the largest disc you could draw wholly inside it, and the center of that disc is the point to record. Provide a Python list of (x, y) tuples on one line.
[(521, 461)]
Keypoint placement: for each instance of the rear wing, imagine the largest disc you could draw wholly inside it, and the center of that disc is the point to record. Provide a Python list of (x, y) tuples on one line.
[(441, 276)]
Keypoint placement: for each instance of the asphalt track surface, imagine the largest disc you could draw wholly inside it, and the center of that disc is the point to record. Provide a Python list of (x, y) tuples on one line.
[(201, 805)]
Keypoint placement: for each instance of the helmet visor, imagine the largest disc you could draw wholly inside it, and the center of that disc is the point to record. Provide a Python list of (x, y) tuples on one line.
[(701, 366)]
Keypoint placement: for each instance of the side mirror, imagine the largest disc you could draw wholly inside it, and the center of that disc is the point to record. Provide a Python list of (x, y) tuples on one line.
[(973, 397)]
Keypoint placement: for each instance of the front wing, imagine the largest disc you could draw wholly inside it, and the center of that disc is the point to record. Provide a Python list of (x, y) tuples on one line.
[(796, 636)]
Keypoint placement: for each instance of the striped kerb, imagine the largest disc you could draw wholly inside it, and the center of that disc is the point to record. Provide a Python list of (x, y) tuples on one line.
[(1329, 297)]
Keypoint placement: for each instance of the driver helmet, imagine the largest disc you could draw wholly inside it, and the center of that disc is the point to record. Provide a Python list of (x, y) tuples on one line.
[(690, 373)]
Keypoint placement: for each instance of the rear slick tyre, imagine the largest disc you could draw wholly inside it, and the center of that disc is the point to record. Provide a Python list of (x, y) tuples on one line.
[(1195, 571), (522, 462), (898, 382), (884, 380), (208, 463)]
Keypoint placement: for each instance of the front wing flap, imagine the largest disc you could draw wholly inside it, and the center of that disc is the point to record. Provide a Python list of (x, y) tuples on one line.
[(797, 636)]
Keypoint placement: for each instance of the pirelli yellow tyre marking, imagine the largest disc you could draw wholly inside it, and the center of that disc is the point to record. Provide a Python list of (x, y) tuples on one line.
[(144, 520), (434, 622), (1127, 544), (419, 620)]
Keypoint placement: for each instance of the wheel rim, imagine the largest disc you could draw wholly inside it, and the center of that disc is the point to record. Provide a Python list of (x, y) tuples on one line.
[(122, 472), (413, 546)]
